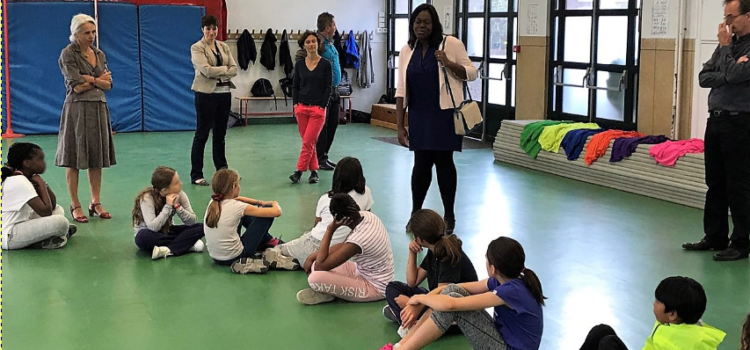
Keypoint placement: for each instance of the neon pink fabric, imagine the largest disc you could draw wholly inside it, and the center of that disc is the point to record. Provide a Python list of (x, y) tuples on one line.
[(669, 152)]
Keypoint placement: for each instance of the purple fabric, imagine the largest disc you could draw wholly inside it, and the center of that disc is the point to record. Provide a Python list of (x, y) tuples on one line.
[(624, 147)]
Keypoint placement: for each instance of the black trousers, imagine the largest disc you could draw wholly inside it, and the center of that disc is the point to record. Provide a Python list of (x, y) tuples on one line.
[(421, 179), (212, 112), (396, 289), (325, 139), (179, 240), (727, 161), (603, 337)]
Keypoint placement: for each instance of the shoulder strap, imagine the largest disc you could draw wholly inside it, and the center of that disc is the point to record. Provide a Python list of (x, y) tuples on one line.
[(445, 77), (447, 82)]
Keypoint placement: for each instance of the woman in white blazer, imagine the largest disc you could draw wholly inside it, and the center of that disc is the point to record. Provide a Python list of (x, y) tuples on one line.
[(421, 88), (214, 69)]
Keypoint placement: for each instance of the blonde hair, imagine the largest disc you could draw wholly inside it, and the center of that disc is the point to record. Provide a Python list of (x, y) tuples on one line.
[(76, 23), (222, 184)]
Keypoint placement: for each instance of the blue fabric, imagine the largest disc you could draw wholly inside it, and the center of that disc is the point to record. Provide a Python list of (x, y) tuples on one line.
[(333, 57), (624, 147), (167, 32), (37, 91), (521, 319), (352, 51), (574, 141), (118, 28), (430, 127)]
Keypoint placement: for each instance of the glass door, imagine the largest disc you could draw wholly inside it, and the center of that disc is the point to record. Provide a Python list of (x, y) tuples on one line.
[(594, 61), (398, 34), (489, 29)]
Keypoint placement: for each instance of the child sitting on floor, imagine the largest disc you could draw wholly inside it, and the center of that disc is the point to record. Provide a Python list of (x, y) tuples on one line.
[(347, 178), (513, 290), (153, 211), (227, 214), (679, 306), (444, 264), (31, 216), (332, 273)]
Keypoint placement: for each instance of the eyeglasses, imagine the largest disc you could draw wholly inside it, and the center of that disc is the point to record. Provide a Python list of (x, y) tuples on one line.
[(731, 18)]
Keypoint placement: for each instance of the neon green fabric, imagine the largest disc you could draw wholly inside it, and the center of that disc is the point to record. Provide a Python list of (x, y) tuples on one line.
[(530, 136), (684, 337), (552, 136)]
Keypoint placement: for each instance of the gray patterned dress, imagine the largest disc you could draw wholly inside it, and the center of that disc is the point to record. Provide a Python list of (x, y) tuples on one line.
[(85, 138)]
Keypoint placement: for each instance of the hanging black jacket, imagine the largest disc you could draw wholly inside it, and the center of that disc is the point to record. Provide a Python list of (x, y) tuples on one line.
[(268, 51), (246, 50), (285, 55), (340, 49)]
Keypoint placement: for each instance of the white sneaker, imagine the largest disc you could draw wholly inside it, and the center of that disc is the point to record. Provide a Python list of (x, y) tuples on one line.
[(160, 252), (198, 246), (246, 266), (311, 297), (280, 261)]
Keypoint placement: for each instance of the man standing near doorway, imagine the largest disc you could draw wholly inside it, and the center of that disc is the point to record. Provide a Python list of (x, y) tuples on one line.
[(727, 140)]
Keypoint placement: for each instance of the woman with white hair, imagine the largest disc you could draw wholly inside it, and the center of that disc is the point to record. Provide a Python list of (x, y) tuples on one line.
[(85, 138)]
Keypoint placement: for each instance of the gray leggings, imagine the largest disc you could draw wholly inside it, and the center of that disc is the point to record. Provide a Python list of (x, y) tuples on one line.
[(478, 326), (37, 229)]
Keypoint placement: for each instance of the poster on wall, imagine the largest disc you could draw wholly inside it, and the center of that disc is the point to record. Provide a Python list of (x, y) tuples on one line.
[(532, 20), (660, 18)]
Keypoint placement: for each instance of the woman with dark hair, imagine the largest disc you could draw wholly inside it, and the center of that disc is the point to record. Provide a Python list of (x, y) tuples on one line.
[(214, 69), (85, 138), (311, 91), (349, 178), (422, 88)]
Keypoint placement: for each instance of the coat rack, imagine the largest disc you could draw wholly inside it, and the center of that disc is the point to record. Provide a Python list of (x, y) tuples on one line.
[(260, 34)]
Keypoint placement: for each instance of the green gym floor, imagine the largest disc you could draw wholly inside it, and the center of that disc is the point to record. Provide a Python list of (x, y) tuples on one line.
[(599, 252)]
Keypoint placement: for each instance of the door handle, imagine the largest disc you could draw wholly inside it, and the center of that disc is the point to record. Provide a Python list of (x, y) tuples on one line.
[(559, 78), (622, 85)]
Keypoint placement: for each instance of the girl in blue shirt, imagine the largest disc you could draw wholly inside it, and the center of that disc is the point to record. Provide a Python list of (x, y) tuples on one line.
[(514, 291)]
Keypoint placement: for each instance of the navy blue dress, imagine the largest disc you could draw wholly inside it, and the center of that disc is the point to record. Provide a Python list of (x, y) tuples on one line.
[(430, 128)]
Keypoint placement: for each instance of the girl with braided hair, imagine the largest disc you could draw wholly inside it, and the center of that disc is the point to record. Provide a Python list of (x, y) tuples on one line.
[(31, 216), (153, 211), (356, 270)]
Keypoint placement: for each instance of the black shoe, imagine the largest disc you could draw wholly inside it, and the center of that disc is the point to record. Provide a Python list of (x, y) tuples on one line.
[(325, 166), (732, 254), (295, 177), (314, 177), (450, 225), (329, 162), (704, 246)]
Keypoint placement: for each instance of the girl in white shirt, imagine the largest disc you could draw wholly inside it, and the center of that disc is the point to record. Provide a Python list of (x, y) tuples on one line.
[(31, 216), (227, 214), (347, 178), (152, 217)]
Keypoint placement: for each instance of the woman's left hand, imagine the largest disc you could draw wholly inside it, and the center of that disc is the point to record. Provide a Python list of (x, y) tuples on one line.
[(442, 58), (415, 300)]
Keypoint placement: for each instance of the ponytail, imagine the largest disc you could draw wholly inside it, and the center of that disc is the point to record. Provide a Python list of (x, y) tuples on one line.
[(509, 259), (534, 285), (6, 173), (448, 249), (213, 214), (222, 184)]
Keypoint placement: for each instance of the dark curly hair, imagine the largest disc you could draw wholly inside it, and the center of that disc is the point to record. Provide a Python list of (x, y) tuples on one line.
[(343, 205), (17, 154), (209, 20)]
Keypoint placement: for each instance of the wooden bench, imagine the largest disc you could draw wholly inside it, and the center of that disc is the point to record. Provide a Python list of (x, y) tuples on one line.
[(384, 115), (245, 106)]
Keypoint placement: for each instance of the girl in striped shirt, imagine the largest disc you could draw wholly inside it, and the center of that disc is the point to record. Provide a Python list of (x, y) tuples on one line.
[(356, 270)]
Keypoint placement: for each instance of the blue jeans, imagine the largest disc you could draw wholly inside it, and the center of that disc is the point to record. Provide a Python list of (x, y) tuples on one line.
[(255, 238)]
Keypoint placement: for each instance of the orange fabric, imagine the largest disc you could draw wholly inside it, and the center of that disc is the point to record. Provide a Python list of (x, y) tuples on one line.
[(600, 143)]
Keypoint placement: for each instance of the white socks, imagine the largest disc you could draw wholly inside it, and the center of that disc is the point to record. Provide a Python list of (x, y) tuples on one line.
[(160, 252)]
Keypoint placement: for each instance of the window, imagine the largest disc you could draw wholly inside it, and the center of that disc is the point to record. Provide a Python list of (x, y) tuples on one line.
[(489, 30), (594, 65), (398, 33)]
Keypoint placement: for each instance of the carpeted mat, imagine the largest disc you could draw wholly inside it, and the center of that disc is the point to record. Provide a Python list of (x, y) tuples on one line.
[(468, 143)]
